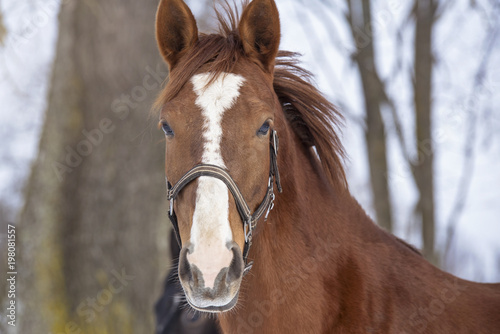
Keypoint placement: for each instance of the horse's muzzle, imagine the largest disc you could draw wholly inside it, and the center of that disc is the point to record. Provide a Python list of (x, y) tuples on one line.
[(220, 297)]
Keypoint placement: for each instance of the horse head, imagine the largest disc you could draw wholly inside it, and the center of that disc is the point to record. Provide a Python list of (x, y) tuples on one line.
[(219, 119)]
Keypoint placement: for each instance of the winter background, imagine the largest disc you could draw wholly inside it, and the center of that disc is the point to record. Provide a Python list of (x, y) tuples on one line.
[(466, 115)]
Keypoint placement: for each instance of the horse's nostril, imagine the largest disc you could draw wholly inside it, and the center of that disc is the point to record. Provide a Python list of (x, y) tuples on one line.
[(236, 267), (196, 277), (185, 272)]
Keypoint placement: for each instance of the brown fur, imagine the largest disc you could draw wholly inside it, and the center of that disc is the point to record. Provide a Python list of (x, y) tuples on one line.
[(321, 265)]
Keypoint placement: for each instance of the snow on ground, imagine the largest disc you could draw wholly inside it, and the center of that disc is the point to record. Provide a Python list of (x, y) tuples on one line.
[(26, 63)]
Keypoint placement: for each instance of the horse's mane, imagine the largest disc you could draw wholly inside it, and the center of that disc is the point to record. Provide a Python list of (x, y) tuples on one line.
[(313, 118)]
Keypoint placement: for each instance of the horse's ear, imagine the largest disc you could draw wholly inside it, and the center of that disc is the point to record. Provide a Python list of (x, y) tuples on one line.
[(176, 30), (259, 30)]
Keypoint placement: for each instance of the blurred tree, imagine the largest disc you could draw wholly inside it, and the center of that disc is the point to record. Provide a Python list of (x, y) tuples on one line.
[(425, 16), (93, 232), (359, 18), (471, 107), (417, 145)]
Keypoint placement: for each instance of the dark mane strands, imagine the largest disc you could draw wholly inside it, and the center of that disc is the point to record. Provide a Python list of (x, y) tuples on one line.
[(307, 110), (313, 118)]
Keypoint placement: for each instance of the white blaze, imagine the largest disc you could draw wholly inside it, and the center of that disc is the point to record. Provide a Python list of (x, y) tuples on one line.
[(211, 231)]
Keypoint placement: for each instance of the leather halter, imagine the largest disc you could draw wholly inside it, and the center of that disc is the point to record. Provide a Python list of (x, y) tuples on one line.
[(248, 218)]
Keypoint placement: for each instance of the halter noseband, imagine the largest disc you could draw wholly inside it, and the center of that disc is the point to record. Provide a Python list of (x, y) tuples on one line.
[(249, 220)]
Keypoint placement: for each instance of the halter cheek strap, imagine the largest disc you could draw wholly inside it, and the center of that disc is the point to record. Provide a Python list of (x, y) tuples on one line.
[(248, 218)]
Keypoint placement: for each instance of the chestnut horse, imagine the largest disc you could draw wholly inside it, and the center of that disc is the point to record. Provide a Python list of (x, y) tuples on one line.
[(318, 264)]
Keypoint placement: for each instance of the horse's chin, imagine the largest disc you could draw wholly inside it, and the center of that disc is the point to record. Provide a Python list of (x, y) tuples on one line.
[(213, 308)]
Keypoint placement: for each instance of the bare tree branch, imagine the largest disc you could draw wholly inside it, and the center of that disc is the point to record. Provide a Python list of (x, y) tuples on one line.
[(374, 94), (316, 47), (471, 137), (424, 165)]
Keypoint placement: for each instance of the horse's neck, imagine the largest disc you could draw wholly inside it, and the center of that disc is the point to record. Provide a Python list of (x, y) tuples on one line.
[(322, 266), (320, 249)]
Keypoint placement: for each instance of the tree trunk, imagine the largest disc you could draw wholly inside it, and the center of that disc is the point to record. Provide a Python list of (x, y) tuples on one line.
[(374, 96), (423, 168), (93, 233)]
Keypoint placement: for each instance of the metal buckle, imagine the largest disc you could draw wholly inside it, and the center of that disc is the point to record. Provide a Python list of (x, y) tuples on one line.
[(247, 230), (247, 268), (270, 207), (171, 206)]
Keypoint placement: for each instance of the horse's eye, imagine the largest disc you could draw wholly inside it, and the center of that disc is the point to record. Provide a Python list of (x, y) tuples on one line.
[(167, 129), (264, 129)]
